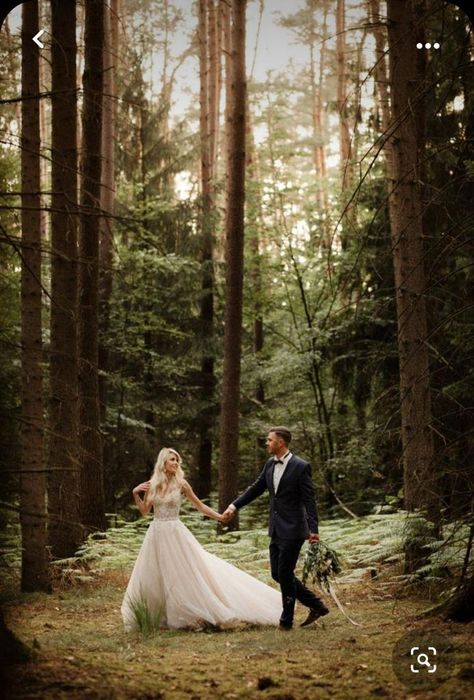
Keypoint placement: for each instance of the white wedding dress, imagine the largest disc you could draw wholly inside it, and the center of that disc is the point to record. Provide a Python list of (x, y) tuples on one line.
[(183, 586)]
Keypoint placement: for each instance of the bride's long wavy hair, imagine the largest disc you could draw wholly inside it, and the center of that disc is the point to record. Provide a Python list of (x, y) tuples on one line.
[(159, 480)]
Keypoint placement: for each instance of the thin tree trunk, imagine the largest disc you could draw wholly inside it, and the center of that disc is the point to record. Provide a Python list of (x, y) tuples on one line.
[(316, 109), (381, 78), (357, 101), (222, 8), (207, 381), (34, 570), (229, 421), (165, 181), (405, 208), (109, 119), (80, 69), (320, 109), (214, 84), (341, 60), (44, 62), (65, 531), (315, 373), (12, 54), (227, 51), (92, 486)]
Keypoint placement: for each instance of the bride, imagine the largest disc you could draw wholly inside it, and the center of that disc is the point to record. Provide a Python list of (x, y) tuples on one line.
[(175, 583)]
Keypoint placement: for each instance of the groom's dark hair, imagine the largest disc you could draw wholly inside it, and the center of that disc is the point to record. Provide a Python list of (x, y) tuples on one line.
[(282, 433)]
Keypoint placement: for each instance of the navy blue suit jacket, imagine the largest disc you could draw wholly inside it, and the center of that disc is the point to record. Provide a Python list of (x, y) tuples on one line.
[(293, 513)]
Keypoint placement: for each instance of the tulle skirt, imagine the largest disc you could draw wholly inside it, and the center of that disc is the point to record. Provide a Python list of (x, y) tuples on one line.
[(176, 584)]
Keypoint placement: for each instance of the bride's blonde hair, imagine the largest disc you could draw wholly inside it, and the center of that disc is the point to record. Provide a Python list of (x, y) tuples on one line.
[(159, 480)]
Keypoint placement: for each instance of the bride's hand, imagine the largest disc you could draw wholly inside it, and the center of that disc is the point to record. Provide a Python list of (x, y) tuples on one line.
[(142, 487)]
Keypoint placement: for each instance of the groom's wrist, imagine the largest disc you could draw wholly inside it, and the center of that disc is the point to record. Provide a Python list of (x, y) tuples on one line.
[(232, 508)]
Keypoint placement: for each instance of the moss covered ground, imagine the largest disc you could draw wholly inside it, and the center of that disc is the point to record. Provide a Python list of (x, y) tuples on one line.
[(81, 652)]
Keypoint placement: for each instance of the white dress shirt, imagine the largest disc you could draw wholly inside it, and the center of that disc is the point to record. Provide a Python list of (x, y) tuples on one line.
[(280, 469)]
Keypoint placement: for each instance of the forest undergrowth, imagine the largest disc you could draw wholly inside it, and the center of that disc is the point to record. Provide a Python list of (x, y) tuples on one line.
[(80, 650)]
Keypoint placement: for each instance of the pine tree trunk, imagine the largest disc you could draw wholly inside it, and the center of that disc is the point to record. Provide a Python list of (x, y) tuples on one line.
[(320, 109), (221, 38), (227, 52), (381, 79), (319, 154), (214, 84), (461, 605), (109, 118), (12, 49), (92, 486), (229, 420), (207, 381), (80, 11), (45, 125), (64, 531), (34, 570), (405, 208), (341, 60)]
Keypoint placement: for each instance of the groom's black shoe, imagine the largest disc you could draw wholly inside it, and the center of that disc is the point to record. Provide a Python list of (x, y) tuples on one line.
[(314, 614), (285, 628)]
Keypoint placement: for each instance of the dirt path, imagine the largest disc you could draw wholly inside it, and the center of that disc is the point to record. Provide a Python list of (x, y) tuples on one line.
[(83, 653)]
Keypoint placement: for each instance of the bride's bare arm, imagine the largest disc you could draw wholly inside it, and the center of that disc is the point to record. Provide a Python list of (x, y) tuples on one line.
[(141, 504), (199, 505)]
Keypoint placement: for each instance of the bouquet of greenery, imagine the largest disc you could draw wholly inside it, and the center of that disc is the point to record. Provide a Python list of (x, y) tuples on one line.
[(321, 563)]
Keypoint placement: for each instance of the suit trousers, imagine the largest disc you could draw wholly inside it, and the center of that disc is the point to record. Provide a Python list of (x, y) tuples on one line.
[(283, 559)]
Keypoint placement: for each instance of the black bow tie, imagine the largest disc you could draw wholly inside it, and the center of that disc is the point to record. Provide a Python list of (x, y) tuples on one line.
[(278, 461)]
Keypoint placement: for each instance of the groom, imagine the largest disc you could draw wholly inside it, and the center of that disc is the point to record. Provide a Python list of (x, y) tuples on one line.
[(293, 518)]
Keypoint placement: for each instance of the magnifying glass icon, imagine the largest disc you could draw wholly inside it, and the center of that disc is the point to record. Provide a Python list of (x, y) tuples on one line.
[(423, 660)]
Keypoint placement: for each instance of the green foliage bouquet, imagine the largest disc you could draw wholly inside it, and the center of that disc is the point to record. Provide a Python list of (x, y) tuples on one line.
[(320, 563)]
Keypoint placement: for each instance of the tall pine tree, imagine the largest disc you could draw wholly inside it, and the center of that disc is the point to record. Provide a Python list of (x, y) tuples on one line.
[(234, 256), (64, 530), (34, 573), (92, 481)]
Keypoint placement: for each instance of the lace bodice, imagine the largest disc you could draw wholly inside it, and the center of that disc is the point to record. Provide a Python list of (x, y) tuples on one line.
[(167, 507)]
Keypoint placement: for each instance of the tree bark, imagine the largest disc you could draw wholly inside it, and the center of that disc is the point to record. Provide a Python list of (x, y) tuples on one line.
[(227, 51), (320, 109), (207, 381), (45, 118), (12, 59), (80, 10), (341, 61), (109, 119), (64, 531), (92, 486), (214, 84), (34, 569), (381, 80), (234, 225), (406, 222), (319, 152)]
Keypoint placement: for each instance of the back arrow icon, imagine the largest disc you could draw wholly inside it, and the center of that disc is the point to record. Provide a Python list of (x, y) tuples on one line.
[(36, 38)]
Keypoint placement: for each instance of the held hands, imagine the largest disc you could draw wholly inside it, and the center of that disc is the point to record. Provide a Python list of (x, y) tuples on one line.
[(221, 518), (227, 515)]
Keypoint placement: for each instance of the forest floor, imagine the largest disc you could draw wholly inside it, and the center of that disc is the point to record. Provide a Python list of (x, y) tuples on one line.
[(81, 652)]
